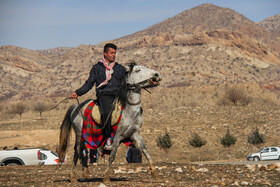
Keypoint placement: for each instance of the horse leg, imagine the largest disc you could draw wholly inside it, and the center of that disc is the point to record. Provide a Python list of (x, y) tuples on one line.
[(141, 145), (85, 169), (77, 155), (75, 160), (112, 157)]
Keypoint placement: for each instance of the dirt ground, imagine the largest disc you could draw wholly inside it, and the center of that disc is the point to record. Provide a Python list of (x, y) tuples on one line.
[(169, 174), (185, 166)]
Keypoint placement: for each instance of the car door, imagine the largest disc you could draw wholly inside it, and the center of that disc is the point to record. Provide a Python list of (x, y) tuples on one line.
[(273, 154), (265, 153)]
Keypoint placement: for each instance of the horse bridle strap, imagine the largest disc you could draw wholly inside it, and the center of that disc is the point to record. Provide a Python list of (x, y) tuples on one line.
[(137, 86), (130, 103)]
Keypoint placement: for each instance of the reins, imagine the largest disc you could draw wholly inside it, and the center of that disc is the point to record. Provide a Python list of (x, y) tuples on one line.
[(65, 100), (60, 103), (136, 88), (131, 87)]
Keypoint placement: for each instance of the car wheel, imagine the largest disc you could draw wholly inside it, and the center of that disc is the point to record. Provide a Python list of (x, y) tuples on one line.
[(12, 164), (279, 158), (256, 158)]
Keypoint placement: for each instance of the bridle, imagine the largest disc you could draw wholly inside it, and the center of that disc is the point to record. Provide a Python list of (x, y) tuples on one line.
[(137, 87)]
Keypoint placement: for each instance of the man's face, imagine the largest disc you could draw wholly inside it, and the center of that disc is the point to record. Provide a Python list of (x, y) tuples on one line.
[(110, 55)]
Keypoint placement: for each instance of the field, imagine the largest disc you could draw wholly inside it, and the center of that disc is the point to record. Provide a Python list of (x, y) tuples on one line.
[(184, 165), (169, 174)]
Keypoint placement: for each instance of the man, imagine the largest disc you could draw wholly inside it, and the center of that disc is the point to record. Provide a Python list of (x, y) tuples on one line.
[(93, 155), (84, 157), (108, 76), (133, 154)]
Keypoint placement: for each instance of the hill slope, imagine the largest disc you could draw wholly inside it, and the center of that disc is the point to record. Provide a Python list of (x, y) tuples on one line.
[(207, 45)]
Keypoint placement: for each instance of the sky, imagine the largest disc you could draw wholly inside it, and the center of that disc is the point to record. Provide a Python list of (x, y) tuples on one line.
[(45, 24)]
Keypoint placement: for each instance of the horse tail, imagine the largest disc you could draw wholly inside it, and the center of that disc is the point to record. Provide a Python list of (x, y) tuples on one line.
[(64, 136)]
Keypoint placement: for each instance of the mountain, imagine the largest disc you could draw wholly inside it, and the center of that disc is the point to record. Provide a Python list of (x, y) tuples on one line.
[(205, 24), (206, 17), (203, 46), (55, 53), (272, 23), (17, 66)]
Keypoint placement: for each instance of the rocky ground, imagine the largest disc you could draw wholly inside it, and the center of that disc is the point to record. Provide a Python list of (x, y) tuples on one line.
[(169, 174), (186, 165)]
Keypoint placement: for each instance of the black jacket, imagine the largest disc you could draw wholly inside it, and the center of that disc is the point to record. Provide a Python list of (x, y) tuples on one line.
[(97, 75)]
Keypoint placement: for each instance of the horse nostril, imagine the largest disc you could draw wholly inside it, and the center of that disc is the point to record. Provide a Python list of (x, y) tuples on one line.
[(156, 75)]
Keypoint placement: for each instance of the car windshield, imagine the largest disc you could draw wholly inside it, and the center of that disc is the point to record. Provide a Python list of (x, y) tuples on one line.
[(260, 149), (54, 153)]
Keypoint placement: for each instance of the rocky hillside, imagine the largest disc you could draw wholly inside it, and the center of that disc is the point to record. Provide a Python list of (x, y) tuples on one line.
[(55, 53), (206, 17), (207, 46), (272, 23)]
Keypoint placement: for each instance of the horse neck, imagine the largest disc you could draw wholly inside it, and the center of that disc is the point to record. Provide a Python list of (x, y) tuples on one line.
[(134, 97)]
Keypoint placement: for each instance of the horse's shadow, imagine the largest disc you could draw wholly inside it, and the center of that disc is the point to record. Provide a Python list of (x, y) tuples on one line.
[(93, 180)]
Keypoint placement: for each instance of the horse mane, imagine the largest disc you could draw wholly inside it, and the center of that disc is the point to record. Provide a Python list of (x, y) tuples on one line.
[(124, 88)]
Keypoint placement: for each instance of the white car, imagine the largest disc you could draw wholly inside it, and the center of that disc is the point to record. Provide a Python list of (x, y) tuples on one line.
[(48, 157), (267, 153), (28, 157)]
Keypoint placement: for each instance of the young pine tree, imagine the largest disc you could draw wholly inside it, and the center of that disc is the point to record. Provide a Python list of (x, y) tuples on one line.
[(164, 142), (196, 141), (228, 139), (255, 138)]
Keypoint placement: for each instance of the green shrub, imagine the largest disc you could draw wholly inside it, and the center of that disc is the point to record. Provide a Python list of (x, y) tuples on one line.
[(256, 138), (197, 141), (228, 139), (164, 142)]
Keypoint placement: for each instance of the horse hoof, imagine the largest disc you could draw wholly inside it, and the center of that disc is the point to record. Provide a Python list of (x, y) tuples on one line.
[(73, 178), (154, 175), (86, 173), (106, 180)]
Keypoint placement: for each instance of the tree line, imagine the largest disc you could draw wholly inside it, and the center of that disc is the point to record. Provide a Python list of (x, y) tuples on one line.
[(21, 107)]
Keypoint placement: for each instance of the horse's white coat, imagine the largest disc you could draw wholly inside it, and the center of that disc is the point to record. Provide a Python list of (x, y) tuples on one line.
[(131, 121)]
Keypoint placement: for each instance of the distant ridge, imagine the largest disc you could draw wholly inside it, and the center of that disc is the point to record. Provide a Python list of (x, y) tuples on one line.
[(203, 46), (272, 23), (206, 17)]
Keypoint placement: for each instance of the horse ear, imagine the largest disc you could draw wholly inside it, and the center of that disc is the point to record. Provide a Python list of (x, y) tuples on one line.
[(126, 66), (129, 66)]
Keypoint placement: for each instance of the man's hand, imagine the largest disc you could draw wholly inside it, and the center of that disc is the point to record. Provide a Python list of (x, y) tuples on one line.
[(73, 96)]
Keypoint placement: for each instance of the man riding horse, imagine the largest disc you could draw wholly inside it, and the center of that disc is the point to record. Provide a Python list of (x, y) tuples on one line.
[(108, 76)]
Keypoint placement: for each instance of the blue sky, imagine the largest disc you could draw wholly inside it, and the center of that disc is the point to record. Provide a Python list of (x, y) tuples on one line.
[(39, 24)]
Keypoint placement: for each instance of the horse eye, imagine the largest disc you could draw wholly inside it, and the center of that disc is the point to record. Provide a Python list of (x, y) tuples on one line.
[(137, 71)]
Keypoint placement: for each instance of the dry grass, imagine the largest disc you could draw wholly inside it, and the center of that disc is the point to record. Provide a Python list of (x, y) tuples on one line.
[(179, 111)]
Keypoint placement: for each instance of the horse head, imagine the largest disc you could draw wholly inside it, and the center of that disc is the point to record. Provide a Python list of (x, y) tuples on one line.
[(142, 77)]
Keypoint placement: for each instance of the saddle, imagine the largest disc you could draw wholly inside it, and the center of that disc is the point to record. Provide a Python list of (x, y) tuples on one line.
[(96, 114)]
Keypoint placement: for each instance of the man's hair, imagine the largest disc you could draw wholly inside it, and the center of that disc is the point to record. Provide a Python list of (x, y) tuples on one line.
[(109, 45)]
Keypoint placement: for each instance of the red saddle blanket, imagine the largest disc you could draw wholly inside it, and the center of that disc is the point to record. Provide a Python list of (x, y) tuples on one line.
[(92, 132)]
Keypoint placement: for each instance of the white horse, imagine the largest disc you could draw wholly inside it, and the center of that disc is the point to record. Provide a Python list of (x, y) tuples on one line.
[(138, 77)]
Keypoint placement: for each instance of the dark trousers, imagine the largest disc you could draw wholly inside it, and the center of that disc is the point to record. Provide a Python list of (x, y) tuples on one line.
[(106, 102), (93, 156)]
